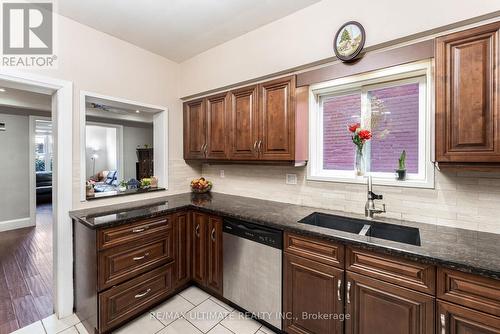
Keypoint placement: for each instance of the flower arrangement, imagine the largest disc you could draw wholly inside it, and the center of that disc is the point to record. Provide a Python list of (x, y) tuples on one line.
[(359, 137)]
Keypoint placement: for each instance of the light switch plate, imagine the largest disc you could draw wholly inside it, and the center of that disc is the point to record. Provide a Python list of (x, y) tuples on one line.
[(221, 173), (291, 178), (2, 126)]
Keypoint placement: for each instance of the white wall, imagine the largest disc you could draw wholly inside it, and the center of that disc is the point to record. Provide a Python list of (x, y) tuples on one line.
[(101, 140), (306, 36), (100, 63), (133, 137), (14, 168)]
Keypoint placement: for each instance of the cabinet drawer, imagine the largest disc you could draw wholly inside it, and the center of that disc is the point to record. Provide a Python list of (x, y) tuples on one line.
[(124, 262), (322, 251), (121, 303), (114, 236), (473, 291), (410, 274)]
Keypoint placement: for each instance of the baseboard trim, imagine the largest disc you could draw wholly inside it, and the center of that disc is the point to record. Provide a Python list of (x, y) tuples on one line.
[(14, 224)]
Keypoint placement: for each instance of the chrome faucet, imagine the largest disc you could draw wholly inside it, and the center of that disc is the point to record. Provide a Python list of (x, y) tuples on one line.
[(370, 209)]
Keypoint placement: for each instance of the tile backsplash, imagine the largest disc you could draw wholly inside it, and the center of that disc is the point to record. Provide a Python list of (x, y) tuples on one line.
[(467, 200)]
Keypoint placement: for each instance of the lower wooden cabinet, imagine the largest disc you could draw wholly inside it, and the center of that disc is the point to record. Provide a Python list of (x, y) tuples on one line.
[(207, 251), (182, 247), (312, 290), (378, 307), (453, 319), (118, 304)]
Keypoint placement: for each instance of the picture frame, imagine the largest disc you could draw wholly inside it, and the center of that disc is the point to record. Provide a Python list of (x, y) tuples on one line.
[(349, 41)]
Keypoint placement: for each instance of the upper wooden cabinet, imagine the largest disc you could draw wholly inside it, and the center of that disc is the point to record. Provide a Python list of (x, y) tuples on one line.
[(259, 123), (467, 97)]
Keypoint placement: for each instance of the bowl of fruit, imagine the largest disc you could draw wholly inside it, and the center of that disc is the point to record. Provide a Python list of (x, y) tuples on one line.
[(201, 186)]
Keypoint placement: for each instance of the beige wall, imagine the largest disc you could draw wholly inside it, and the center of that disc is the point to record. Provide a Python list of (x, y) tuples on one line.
[(467, 200), (306, 36), (100, 63)]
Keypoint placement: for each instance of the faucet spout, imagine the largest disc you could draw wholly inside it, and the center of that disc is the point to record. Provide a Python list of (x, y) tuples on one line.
[(370, 208)]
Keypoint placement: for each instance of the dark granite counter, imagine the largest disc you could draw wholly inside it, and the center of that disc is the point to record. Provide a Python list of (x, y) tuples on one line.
[(464, 250)]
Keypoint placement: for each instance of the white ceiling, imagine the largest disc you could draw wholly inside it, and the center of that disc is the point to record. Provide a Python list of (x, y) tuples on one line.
[(178, 29)]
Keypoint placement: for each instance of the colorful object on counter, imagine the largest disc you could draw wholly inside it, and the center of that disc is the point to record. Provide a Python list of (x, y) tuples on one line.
[(145, 183), (359, 137), (401, 171), (201, 185)]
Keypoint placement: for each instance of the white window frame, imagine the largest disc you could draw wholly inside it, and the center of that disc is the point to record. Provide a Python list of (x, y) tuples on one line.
[(420, 72)]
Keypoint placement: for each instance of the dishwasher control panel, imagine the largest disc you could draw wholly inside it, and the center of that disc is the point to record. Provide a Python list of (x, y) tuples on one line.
[(261, 234)]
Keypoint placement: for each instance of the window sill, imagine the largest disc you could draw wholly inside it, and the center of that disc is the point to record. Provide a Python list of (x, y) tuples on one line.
[(409, 183)]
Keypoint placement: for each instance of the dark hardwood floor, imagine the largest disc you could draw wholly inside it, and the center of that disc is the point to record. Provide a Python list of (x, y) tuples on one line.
[(26, 273)]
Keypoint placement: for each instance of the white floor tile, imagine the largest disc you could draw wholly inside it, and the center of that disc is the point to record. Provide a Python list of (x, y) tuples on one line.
[(238, 323), (219, 329), (206, 315), (34, 328), (195, 295), (180, 326), (221, 303), (265, 330), (53, 325), (71, 330), (172, 310), (81, 329), (146, 324)]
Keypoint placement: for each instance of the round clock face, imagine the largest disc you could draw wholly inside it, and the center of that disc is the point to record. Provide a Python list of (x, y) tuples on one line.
[(349, 41)]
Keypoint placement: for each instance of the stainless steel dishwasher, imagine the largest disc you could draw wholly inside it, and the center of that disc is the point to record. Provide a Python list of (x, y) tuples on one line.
[(252, 269)]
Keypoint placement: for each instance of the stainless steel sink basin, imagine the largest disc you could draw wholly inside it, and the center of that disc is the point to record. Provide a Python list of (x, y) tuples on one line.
[(398, 233), (334, 222)]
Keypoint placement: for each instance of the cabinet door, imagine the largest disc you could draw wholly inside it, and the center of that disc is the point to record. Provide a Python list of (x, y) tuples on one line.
[(467, 96), (244, 124), (199, 255), (217, 128), (453, 319), (182, 242), (194, 130), (310, 289), (214, 265), (277, 111), (378, 307)]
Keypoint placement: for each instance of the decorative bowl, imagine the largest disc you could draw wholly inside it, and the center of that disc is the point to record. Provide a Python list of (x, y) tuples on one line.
[(202, 190)]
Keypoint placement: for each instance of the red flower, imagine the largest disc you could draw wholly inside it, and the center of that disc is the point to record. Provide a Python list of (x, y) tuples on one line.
[(354, 127), (365, 134)]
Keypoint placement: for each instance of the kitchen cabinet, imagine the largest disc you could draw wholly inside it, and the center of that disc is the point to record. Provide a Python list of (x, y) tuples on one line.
[(468, 98), (264, 123), (207, 251), (205, 128), (311, 289), (379, 307), (244, 123), (182, 243), (453, 319), (194, 129), (199, 258)]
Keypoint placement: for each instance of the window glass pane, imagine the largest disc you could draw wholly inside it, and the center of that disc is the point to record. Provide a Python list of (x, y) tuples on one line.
[(40, 144), (394, 121), (338, 112)]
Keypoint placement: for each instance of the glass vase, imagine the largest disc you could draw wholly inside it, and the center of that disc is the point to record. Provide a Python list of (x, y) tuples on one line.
[(360, 162)]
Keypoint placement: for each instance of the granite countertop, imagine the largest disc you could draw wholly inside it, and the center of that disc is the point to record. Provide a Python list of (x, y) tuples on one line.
[(464, 250)]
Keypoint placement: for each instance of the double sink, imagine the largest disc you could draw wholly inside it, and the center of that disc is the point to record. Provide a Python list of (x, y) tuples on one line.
[(404, 234)]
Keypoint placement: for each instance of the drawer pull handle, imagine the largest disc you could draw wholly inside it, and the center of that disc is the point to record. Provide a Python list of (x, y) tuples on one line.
[(443, 323), (197, 231), (339, 285), (213, 234), (348, 292), (140, 295), (137, 258), (140, 229)]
